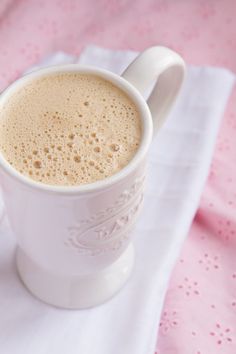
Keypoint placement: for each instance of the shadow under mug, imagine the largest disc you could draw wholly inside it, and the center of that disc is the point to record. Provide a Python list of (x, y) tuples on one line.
[(74, 246)]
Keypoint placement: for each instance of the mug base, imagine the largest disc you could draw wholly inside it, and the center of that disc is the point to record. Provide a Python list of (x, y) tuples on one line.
[(75, 292)]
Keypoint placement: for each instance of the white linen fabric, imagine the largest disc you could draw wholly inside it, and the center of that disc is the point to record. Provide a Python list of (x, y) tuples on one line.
[(179, 162)]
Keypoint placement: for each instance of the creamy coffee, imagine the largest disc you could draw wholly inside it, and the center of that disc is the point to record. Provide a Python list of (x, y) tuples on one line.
[(69, 129)]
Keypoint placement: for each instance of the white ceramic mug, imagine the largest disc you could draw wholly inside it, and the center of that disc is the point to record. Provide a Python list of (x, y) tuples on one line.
[(74, 245)]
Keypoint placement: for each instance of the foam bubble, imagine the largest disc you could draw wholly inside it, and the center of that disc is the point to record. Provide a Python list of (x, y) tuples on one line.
[(114, 147), (37, 164), (97, 149), (77, 158)]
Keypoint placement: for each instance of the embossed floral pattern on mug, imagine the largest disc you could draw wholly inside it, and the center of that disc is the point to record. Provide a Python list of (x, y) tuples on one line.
[(109, 229)]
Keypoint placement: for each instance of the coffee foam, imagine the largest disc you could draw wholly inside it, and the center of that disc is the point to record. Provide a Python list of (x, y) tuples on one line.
[(69, 129)]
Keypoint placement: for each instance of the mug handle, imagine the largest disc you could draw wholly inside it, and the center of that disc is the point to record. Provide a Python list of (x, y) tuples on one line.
[(168, 69)]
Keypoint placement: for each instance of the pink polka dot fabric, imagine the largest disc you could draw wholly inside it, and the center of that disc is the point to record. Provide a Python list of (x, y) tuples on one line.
[(199, 316)]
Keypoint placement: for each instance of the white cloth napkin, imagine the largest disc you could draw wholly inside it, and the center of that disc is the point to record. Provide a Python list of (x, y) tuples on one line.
[(179, 163)]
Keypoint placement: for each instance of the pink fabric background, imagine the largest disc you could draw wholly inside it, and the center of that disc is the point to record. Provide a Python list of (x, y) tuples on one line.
[(199, 316)]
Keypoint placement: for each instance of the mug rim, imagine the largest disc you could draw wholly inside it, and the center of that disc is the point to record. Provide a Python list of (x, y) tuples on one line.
[(120, 82)]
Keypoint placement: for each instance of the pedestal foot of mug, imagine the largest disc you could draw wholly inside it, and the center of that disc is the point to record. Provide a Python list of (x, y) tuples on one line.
[(75, 292)]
